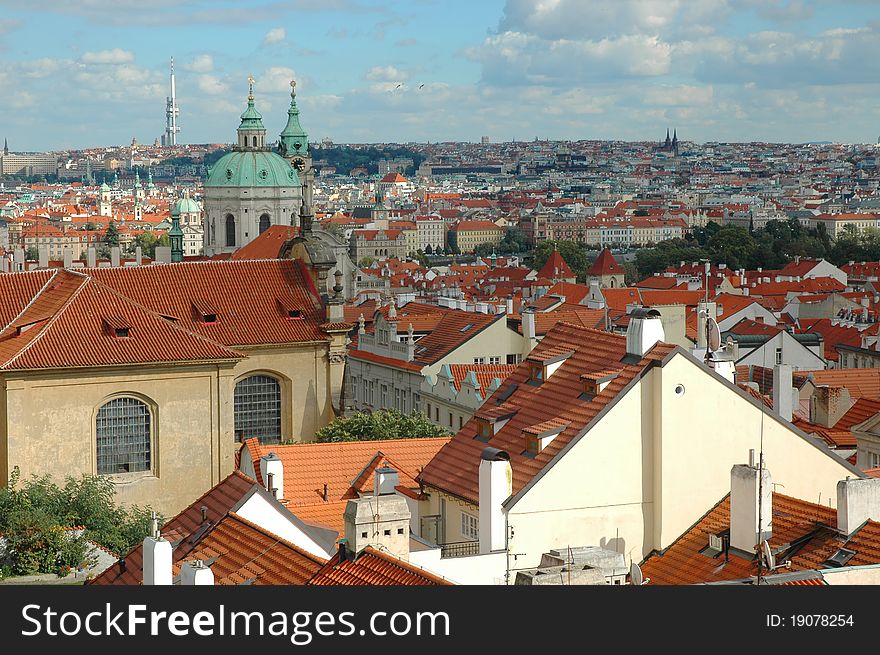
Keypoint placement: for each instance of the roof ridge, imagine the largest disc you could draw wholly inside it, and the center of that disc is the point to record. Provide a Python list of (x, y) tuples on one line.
[(32, 300), (49, 323)]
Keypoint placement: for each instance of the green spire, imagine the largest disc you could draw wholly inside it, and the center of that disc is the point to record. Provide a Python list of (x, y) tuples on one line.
[(150, 184), (175, 235), (294, 139), (251, 119)]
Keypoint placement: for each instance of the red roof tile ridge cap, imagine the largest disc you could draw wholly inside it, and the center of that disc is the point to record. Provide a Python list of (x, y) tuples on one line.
[(165, 321), (272, 535), (30, 303), (396, 561), (48, 323)]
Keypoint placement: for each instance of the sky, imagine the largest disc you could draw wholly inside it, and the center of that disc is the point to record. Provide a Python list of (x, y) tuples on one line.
[(95, 72)]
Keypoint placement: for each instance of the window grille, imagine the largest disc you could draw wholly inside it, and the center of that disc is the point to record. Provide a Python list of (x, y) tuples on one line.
[(258, 409), (123, 435)]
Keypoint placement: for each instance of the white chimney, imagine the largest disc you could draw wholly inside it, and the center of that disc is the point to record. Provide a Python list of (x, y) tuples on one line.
[(509, 305), (782, 390), (745, 533), (644, 330), (157, 558), (196, 573), (496, 485), (528, 328), (387, 479), (857, 501), (43, 257), (378, 521), (68, 257), (272, 465), (91, 257), (114, 256)]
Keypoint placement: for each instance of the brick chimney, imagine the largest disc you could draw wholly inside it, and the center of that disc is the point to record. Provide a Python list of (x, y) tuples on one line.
[(828, 404)]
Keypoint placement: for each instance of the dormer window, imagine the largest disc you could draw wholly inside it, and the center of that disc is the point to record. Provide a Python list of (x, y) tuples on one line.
[(289, 309), (117, 326), (545, 364), (538, 437), (204, 311), (594, 383)]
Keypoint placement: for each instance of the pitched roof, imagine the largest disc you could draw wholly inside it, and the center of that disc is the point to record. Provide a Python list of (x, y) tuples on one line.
[(345, 467), (455, 468), (832, 335), (860, 382), (484, 373), (75, 321), (244, 293), (605, 264), (372, 567), (803, 532), (219, 501), (268, 244), (556, 268)]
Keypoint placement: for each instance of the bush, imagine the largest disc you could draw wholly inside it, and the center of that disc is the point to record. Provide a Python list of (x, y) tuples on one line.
[(380, 425)]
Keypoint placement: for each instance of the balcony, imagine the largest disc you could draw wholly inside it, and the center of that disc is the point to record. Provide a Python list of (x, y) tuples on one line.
[(459, 549)]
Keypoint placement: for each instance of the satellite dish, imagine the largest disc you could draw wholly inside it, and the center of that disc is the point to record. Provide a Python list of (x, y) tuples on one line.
[(635, 574), (768, 555), (713, 336)]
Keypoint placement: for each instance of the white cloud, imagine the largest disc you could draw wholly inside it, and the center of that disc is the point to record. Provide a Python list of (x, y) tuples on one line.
[(681, 95), (275, 35), (211, 85), (115, 56), (201, 64), (387, 74), (276, 79)]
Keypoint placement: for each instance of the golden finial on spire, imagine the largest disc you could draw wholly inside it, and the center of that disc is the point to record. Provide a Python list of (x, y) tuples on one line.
[(251, 81)]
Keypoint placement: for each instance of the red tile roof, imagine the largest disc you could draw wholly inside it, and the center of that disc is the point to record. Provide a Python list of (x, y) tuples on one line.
[(268, 244), (605, 264), (244, 293), (485, 373), (372, 567), (219, 500), (455, 468), (556, 268), (76, 321), (860, 382), (345, 467), (810, 527), (832, 335)]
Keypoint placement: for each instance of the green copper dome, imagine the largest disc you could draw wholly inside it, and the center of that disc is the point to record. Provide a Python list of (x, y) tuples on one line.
[(252, 168), (186, 205)]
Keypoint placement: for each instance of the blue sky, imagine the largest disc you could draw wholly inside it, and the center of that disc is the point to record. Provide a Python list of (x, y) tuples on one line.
[(95, 72)]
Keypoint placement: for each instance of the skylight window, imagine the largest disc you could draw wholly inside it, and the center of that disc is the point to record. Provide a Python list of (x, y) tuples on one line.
[(840, 558), (466, 327)]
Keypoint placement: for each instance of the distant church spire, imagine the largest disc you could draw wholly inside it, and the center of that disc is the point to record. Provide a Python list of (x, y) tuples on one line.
[(5, 146)]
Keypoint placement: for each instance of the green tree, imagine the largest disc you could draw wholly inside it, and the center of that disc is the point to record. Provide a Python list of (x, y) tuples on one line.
[(34, 515), (366, 261), (514, 241), (380, 425), (32, 254), (111, 236)]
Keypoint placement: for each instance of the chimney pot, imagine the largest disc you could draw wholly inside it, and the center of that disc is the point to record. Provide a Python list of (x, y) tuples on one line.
[(745, 484)]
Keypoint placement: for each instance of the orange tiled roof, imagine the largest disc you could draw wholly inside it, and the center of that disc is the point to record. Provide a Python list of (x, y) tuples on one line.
[(485, 373), (811, 527), (860, 382), (455, 468), (219, 500), (372, 567), (245, 294), (556, 268), (605, 264), (268, 245), (73, 322), (343, 466)]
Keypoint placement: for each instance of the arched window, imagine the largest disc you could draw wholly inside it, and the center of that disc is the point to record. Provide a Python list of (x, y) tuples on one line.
[(264, 223), (255, 142), (258, 409), (123, 430), (230, 230)]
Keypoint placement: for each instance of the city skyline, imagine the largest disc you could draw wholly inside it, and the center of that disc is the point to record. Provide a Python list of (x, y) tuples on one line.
[(717, 70)]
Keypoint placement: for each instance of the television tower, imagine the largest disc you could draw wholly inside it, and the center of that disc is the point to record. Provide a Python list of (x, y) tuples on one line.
[(171, 114)]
